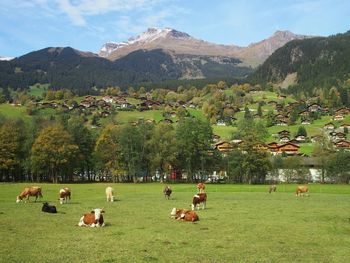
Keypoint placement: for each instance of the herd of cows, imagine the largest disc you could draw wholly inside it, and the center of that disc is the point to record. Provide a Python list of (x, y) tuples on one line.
[(95, 217)]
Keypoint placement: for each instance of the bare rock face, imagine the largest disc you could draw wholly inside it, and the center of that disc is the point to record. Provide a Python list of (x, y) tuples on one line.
[(182, 43)]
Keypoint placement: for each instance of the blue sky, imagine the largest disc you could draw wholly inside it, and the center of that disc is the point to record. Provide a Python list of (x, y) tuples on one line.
[(28, 25)]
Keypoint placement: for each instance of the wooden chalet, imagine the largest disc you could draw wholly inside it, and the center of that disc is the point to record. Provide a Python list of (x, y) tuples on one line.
[(300, 138), (284, 138), (338, 117), (342, 111), (304, 114), (283, 133), (315, 107), (305, 122), (343, 144), (345, 126), (329, 126), (281, 123), (273, 146), (224, 146), (289, 148)]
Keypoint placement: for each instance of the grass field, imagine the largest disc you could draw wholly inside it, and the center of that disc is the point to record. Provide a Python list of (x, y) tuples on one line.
[(240, 224)]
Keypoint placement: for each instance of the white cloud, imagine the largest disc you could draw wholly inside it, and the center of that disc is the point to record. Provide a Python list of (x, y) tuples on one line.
[(73, 12), (78, 10)]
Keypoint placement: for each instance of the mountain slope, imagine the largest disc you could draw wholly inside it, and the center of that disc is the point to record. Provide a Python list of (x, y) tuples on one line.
[(82, 71), (319, 61), (182, 43)]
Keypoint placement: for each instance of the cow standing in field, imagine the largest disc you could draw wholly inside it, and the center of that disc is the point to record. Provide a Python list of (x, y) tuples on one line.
[(167, 192), (65, 193), (302, 190), (29, 191), (49, 208), (109, 194), (200, 198), (272, 188), (201, 187), (92, 219), (184, 215)]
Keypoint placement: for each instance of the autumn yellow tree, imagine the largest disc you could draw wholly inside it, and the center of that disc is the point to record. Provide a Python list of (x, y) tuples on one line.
[(53, 153)]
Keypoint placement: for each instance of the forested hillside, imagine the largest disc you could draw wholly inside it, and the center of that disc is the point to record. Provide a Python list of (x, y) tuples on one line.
[(85, 72), (315, 62)]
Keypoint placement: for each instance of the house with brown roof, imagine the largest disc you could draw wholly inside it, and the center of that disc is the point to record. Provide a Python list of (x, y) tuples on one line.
[(304, 114), (329, 126), (338, 117), (342, 111), (289, 148), (283, 133), (223, 146), (315, 107), (343, 144), (273, 146)]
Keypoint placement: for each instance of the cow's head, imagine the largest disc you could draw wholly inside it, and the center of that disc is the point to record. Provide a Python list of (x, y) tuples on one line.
[(173, 212), (97, 212), (19, 199)]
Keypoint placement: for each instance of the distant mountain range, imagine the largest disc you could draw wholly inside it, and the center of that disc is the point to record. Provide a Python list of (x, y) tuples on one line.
[(308, 63), (154, 56), (182, 43)]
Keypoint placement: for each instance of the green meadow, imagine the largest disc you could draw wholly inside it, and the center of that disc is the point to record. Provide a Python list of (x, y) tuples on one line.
[(242, 223)]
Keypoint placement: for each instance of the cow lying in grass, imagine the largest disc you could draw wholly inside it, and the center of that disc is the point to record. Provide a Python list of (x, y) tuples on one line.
[(167, 192), (109, 194), (92, 219), (49, 208), (272, 188), (200, 198), (184, 215), (29, 191), (65, 193), (302, 190)]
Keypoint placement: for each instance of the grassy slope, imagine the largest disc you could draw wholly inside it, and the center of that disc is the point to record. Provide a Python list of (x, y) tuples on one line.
[(240, 224), (11, 111)]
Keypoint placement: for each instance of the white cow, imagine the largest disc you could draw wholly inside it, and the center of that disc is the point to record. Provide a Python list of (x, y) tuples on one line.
[(109, 194)]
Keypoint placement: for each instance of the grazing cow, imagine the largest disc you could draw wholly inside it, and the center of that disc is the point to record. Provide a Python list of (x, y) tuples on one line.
[(92, 219), (29, 191), (109, 194), (201, 187), (167, 192), (184, 215), (302, 189), (200, 198), (49, 208), (272, 188), (64, 195)]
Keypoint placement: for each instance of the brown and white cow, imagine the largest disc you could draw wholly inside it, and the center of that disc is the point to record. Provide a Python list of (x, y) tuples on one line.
[(302, 190), (272, 188), (29, 191), (184, 215), (65, 193), (109, 194), (167, 192), (92, 219), (200, 198), (201, 187)]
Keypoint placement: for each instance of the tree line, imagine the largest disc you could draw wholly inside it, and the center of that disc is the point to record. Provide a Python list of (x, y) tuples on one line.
[(65, 150)]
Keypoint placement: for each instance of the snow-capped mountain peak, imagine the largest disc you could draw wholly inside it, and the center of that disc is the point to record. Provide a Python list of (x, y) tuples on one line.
[(147, 37), (6, 58)]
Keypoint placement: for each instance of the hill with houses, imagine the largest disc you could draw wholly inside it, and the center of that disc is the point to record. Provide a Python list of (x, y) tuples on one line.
[(294, 127)]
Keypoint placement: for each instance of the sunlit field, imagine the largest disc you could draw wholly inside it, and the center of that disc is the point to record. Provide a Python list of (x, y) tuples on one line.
[(242, 223)]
